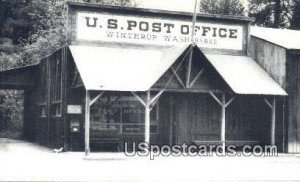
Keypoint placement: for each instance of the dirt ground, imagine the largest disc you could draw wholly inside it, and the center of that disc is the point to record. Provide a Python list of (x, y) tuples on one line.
[(23, 161)]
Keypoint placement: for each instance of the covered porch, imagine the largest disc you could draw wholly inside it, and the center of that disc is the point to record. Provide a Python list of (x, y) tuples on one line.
[(171, 95)]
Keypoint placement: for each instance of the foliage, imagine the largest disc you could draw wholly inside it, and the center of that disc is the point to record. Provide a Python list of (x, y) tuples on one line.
[(278, 13), (295, 21), (43, 22), (224, 7), (11, 114), (30, 30)]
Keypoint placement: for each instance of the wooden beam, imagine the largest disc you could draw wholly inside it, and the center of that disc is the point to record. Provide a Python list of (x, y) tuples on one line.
[(194, 21), (268, 103), (273, 124), (147, 118), (178, 78), (75, 79), (272, 106), (189, 68), (216, 98), (229, 102), (187, 90), (139, 98), (171, 121), (283, 127), (223, 123), (156, 97), (87, 123), (196, 77), (154, 103), (96, 98)]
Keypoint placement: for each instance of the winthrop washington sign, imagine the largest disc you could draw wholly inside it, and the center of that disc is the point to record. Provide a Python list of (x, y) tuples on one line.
[(145, 30)]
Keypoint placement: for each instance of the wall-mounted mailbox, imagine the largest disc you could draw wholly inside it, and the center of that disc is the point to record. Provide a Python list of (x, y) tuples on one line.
[(75, 126)]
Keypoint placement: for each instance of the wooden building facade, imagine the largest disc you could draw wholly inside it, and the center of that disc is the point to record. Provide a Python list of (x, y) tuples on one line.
[(134, 75), (279, 56)]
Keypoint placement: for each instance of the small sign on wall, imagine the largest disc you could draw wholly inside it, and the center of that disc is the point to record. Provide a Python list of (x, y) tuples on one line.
[(74, 109)]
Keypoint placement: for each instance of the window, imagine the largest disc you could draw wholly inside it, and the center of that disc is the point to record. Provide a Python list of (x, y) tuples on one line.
[(124, 114), (56, 109), (42, 110), (56, 84), (42, 107)]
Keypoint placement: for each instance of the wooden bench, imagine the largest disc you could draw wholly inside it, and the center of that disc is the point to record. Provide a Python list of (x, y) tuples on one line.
[(105, 136)]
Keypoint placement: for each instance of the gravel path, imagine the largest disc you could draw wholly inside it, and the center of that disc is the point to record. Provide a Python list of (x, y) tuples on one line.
[(23, 161)]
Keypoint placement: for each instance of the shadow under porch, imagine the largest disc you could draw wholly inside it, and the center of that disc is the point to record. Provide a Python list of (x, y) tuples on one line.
[(196, 117)]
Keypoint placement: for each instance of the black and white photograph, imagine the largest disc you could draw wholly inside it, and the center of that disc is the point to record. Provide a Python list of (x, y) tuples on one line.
[(149, 90)]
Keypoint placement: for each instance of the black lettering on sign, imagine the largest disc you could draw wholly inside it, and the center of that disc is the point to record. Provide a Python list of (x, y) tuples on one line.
[(205, 30), (88, 23), (131, 24), (169, 26), (144, 26), (222, 32), (156, 27), (112, 24), (233, 33), (185, 29), (214, 32)]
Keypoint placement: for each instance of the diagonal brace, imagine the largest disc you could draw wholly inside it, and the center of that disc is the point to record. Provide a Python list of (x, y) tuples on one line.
[(96, 98), (268, 103), (216, 98), (139, 99), (229, 102)]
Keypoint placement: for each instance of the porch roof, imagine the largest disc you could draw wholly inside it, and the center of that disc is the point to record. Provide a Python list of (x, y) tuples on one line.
[(123, 68), (244, 75)]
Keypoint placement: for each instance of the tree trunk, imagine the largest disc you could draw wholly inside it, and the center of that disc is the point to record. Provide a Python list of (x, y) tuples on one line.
[(277, 11)]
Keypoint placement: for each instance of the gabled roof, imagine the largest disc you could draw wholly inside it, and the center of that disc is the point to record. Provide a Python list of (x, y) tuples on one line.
[(244, 75), (139, 68), (289, 39), (123, 68)]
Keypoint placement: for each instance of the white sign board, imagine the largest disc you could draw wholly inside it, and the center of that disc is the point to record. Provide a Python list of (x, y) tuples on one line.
[(74, 109), (145, 30)]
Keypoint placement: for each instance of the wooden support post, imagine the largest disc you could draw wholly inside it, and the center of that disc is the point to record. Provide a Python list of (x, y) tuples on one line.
[(87, 123), (171, 121), (273, 122), (223, 104), (147, 117), (223, 123), (273, 119)]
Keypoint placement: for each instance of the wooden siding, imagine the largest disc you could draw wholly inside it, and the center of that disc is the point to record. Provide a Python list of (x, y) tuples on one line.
[(19, 78), (270, 57), (50, 125), (30, 113), (197, 117), (209, 79), (293, 89)]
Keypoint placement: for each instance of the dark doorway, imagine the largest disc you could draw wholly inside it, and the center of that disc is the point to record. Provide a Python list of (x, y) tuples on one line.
[(11, 114)]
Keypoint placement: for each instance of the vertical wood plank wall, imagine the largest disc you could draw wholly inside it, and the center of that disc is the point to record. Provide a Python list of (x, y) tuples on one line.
[(197, 117), (50, 126), (270, 57), (293, 87), (283, 66)]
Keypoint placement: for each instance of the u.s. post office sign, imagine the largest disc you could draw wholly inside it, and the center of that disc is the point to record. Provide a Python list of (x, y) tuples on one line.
[(148, 30)]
